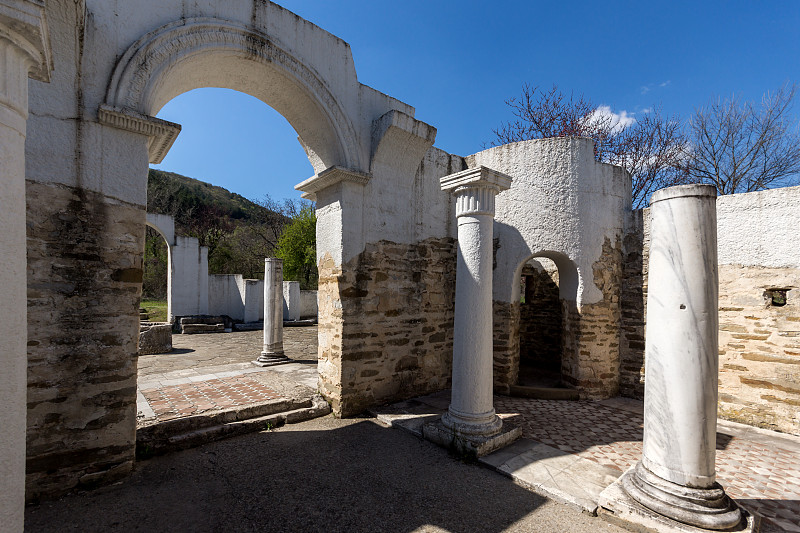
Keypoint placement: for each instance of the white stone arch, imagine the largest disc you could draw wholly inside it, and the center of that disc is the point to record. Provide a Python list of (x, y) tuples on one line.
[(204, 52)]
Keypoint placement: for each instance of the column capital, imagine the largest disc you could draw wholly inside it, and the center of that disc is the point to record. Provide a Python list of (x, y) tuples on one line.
[(475, 189), (23, 23)]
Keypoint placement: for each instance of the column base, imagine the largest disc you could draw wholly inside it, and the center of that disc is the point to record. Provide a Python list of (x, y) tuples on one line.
[(483, 425), (469, 444), (271, 359), (701, 508)]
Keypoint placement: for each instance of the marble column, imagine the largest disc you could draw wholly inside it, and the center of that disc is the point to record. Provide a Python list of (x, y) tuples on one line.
[(471, 409), (24, 53), (676, 476), (272, 354)]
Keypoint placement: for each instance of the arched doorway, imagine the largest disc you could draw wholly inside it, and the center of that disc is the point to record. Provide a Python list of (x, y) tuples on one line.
[(548, 285)]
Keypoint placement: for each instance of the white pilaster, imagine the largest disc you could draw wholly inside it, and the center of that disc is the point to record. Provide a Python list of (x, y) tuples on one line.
[(676, 476), (24, 52), (471, 411)]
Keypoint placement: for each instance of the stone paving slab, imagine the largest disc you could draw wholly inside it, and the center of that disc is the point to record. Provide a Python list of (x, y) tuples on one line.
[(571, 451)]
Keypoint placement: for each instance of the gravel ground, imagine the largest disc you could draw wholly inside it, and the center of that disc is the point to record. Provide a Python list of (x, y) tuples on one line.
[(322, 475)]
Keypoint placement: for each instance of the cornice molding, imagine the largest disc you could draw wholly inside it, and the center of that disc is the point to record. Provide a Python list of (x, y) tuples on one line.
[(329, 177), (161, 133)]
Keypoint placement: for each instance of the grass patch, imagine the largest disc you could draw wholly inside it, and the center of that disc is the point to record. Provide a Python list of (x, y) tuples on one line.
[(157, 310)]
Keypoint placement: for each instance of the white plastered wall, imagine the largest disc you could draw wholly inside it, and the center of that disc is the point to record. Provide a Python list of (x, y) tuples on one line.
[(562, 204)]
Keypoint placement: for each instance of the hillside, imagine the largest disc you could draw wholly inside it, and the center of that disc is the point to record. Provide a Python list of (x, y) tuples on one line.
[(187, 198), (238, 232)]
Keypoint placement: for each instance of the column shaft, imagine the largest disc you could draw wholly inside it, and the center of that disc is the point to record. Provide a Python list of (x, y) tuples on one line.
[(676, 476), (472, 344), (272, 353)]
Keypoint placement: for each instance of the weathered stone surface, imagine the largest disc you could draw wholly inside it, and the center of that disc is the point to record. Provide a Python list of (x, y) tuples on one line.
[(155, 338), (84, 287), (592, 331), (759, 358), (388, 328)]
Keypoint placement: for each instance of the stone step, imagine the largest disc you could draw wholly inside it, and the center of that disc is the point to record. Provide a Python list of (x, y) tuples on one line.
[(183, 433), (202, 328), (211, 320), (544, 393)]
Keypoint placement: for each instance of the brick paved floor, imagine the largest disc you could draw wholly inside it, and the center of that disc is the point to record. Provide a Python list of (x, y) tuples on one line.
[(194, 398), (212, 372), (762, 475)]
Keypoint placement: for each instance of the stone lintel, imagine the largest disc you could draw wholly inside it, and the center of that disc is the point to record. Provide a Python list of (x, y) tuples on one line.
[(472, 445), (24, 23), (161, 133), (329, 177), (476, 178)]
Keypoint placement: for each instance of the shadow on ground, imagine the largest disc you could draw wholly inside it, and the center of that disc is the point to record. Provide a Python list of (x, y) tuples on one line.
[(322, 475)]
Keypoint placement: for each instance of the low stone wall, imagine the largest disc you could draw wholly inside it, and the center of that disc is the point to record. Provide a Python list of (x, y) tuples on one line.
[(386, 324), (308, 304), (84, 287)]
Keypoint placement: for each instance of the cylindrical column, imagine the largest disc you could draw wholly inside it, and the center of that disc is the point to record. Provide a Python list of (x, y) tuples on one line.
[(471, 409), (18, 55), (676, 476), (273, 314)]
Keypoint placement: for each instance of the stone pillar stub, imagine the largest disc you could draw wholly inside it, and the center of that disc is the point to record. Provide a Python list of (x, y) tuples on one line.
[(291, 301), (272, 354), (471, 421), (676, 476)]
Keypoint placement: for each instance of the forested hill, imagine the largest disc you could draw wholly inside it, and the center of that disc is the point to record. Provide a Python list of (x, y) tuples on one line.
[(186, 199), (238, 232)]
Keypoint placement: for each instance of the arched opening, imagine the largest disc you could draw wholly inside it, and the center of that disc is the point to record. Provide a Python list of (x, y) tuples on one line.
[(168, 65), (548, 285), (540, 325), (155, 277)]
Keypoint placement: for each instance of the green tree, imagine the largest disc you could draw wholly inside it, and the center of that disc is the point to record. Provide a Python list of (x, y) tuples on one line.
[(297, 246)]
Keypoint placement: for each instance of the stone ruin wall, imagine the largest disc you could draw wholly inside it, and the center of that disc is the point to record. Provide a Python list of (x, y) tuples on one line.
[(398, 309), (759, 343), (390, 308), (592, 331), (84, 287)]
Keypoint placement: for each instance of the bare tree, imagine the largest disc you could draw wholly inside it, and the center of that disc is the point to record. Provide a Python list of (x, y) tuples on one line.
[(652, 150), (741, 147)]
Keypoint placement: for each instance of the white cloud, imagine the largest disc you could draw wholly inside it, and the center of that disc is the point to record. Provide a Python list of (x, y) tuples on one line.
[(618, 121)]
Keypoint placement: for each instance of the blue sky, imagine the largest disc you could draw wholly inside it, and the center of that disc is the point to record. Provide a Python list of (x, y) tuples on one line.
[(457, 62)]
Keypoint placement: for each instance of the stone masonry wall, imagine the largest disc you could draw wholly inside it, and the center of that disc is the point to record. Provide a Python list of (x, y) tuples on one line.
[(759, 348), (636, 255), (386, 324), (590, 359), (590, 335), (505, 336), (759, 343), (84, 287)]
